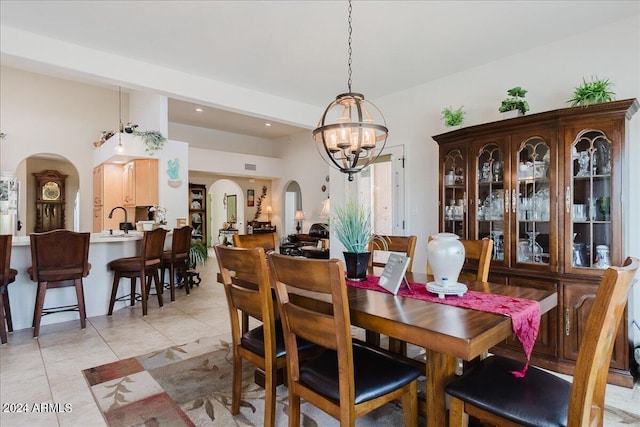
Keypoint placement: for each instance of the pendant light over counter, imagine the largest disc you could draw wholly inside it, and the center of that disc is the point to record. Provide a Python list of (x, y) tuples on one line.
[(352, 131)]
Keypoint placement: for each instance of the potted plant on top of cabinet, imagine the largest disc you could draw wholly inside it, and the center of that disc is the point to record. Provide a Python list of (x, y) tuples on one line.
[(453, 118), (515, 102), (592, 92)]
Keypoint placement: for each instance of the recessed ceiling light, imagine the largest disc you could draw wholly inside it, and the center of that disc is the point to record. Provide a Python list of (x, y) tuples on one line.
[(267, 124), (199, 110)]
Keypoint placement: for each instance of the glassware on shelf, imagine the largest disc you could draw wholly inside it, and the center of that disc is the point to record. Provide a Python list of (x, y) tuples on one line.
[(524, 251), (497, 171), (535, 250), (583, 162), (604, 206), (524, 210), (578, 255), (498, 245)]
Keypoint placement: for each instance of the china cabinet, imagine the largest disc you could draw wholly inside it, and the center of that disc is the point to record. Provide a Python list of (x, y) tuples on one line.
[(546, 188), (198, 211), (50, 200)]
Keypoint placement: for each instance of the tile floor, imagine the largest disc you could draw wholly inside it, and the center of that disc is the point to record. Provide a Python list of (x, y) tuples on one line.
[(49, 369)]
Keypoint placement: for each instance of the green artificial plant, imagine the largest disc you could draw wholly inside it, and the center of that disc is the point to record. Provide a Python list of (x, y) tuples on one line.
[(453, 117), (515, 101), (198, 253), (153, 139), (353, 226), (592, 92)]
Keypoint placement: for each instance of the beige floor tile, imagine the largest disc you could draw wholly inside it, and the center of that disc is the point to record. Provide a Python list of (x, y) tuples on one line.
[(82, 415)]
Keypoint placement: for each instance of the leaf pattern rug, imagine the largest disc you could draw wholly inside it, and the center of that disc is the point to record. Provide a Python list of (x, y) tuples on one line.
[(190, 385)]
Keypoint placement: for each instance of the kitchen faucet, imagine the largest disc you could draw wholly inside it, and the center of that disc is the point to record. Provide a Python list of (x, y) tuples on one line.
[(126, 220)]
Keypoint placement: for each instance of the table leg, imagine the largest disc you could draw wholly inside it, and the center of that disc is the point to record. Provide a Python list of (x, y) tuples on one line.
[(440, 369)]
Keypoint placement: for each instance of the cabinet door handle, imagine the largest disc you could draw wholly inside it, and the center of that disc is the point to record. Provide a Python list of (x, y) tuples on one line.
[(567, 200), (514, 201), (506, 201), (567, 323)]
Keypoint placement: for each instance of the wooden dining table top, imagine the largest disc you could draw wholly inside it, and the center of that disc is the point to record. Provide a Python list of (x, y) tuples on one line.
[(460, 332)]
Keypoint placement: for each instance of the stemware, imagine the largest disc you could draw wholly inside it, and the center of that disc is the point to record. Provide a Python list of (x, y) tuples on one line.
[(534, 247)]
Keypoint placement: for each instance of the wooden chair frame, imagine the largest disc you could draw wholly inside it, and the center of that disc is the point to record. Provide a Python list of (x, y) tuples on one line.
[(402, 244), (586, 399), (329, 330), (146, 268), (245, 298), (267, 241), (177, 258), (59, 258), (7, 275)]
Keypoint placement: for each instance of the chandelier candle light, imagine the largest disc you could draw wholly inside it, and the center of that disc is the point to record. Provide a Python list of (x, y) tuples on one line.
[(349, 132)]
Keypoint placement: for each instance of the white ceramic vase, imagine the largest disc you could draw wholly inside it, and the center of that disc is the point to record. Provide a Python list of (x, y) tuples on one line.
[(445, 254)]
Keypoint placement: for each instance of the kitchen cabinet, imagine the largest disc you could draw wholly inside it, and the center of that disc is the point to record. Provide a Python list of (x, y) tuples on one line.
[(546, 188), (198, 211), (140, 183), (107, 194), (50, 201)]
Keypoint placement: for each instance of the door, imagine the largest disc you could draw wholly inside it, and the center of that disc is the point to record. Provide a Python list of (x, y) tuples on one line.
[(381, 186)]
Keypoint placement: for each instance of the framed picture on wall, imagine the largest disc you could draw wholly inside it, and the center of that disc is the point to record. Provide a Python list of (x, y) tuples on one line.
[(250, 197)]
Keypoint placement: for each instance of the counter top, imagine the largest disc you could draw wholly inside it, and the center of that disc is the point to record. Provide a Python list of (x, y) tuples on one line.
[(103, 237)]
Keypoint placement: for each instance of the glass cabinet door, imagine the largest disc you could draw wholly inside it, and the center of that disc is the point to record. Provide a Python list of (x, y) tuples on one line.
[(454, 206), (589, 201), (492, 204), (531, 198)]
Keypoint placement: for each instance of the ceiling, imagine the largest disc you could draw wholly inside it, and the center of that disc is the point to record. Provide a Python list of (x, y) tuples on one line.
[(297, 50)]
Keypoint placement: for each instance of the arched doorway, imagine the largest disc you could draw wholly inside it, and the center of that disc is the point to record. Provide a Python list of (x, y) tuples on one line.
[(292, 202), (27, 198), (226, 195)]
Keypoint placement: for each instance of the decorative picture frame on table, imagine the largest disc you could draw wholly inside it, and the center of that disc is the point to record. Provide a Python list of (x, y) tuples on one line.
[(251, 197)]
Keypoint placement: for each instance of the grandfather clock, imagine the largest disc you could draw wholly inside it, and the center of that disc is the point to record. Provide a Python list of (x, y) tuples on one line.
[(49, 200)]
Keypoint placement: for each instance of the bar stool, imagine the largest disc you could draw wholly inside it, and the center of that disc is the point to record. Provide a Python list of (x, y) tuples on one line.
[(144, 266), (59, 258), (7, 275), (177, 258)]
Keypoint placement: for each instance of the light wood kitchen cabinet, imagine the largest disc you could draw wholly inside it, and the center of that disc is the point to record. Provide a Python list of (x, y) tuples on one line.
[(107, 194), (140, 183), (546, 188)]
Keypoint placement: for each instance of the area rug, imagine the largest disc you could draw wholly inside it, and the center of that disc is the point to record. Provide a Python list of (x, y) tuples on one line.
[(190, 385)]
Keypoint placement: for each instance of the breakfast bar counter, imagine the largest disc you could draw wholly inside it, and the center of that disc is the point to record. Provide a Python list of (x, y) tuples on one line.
[(97, 285)]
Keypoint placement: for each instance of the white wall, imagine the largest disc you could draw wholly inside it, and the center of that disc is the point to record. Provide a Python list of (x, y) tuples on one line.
[(221, 141)]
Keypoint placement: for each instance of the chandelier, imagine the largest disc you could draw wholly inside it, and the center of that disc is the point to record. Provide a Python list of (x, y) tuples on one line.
[(352, 131)]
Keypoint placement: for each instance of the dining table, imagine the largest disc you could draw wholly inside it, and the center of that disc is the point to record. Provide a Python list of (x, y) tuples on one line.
[(445, 332)]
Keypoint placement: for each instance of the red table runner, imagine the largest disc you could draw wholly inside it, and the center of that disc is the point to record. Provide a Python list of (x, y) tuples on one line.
[(524, 313)]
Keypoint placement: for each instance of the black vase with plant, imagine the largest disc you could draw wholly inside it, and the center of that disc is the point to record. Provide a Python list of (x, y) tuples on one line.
[(353, 226)]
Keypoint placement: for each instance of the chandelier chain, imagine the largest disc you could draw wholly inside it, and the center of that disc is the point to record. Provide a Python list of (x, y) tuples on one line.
[(349, 62)]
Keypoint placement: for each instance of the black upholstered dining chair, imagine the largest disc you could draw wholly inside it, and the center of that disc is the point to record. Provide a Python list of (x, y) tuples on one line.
[(144, 266), (59, 258), (346, 379), (7, 275), (264, 345), (491, 393)]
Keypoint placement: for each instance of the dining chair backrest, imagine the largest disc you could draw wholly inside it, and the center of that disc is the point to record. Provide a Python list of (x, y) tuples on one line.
[(330, 328), (181, 243), (5, 258), (402, 244), (477, 253), (251, 295), (152, 248), (59, 255), (267, 241), (592, 367)]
